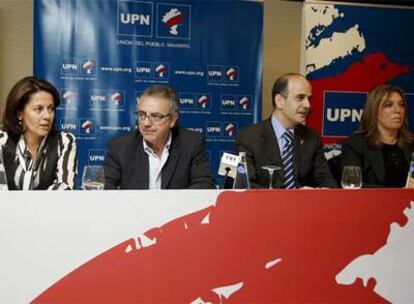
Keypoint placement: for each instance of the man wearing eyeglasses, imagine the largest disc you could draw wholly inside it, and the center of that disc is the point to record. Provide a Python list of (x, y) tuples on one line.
[(284, 143), (159, 155)]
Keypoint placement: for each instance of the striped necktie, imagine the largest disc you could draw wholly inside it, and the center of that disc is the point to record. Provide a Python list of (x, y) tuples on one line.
[(287, 160)]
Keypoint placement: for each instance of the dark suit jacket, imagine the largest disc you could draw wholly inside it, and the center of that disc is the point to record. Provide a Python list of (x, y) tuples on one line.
[(260, 144), (357, 152), (127, 165)]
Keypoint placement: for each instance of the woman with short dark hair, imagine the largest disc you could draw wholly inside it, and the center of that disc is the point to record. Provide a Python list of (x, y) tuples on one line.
[(35, 155), (383, 144)]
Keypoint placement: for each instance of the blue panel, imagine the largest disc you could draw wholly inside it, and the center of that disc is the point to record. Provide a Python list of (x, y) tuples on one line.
[(102, 54)]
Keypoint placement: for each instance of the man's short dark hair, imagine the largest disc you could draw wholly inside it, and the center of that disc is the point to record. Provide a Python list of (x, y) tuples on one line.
[(281, 85)]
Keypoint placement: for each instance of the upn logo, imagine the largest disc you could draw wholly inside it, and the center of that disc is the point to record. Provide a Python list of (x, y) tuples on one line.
[(96, 156), (173, 21), (229, 129), (342, 112), (135, 18), (69, 66), (162, 70), (143, 69), (87, 126), (97, 98), (116, 97), (203, 101), (68, 97), (232, 74), (244, 102), (214, 73), (228, 103), (213, 129), (222, 73), (88, 67), (187, 101), (69, 125)]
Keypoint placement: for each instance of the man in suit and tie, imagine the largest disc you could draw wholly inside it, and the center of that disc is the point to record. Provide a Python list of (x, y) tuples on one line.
[(284, 141), (159, 155)]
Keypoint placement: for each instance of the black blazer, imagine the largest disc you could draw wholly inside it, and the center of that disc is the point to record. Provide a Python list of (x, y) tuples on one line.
[(357, 152), (127, 166), (260, 144)]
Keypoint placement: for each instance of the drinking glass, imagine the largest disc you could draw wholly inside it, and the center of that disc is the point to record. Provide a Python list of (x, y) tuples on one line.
[(351, 177), (93, 178), (271, 169)]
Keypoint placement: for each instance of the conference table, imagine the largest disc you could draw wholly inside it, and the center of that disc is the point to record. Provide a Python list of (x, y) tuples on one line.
[(207, 246)]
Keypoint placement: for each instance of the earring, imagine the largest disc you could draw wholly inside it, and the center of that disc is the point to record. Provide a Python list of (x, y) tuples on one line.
[(20, 121)]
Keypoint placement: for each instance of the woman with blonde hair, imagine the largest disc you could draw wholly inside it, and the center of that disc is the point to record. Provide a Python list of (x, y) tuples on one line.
[(383, 144)]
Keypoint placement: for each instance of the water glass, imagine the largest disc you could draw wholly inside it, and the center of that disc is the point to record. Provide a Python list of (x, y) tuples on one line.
[(93, 178), (351, 177), (271, 169)]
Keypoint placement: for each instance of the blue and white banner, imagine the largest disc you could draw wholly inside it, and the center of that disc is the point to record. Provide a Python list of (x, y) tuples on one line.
[(349, 50), (102, 54)]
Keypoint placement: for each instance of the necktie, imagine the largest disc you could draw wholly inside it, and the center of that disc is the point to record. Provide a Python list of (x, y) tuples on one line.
[(287, 160)]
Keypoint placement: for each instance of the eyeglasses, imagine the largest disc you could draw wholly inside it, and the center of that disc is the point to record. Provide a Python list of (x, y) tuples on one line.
[(153, 117)]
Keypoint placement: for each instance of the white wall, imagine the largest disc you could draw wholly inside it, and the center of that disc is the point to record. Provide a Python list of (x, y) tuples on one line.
[(16, 44)]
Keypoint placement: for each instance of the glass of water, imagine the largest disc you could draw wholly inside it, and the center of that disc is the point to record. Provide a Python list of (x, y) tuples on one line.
[(271, 169), (351, 177), (93, 178)]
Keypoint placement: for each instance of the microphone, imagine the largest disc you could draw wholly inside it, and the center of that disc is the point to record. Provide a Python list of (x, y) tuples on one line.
[(228, 166)]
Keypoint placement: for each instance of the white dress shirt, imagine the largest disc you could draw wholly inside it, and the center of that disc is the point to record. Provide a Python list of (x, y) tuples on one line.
[(156, 163)]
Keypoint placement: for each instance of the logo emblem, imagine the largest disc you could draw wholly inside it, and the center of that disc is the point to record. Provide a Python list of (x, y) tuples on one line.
[(172, 20), (214, 73), (161, 70), (69, 96), (203, 101), (229, 129), (143, 69), (97, 98), (96, 156), (69, 125), (187, 101), (88, 67), (116, 98), (342, 112), (134, 18), (213, 129), (88, 127), (231, 74), (244, 103), (69, 67)]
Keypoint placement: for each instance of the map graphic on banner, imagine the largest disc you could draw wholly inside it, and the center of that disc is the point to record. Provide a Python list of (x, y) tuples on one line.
[(349, 50), (207, 246), (102, 54)]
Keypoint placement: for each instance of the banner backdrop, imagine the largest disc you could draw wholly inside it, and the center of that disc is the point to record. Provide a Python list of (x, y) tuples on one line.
[(102, 54), (350, 49), (207, 246)]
